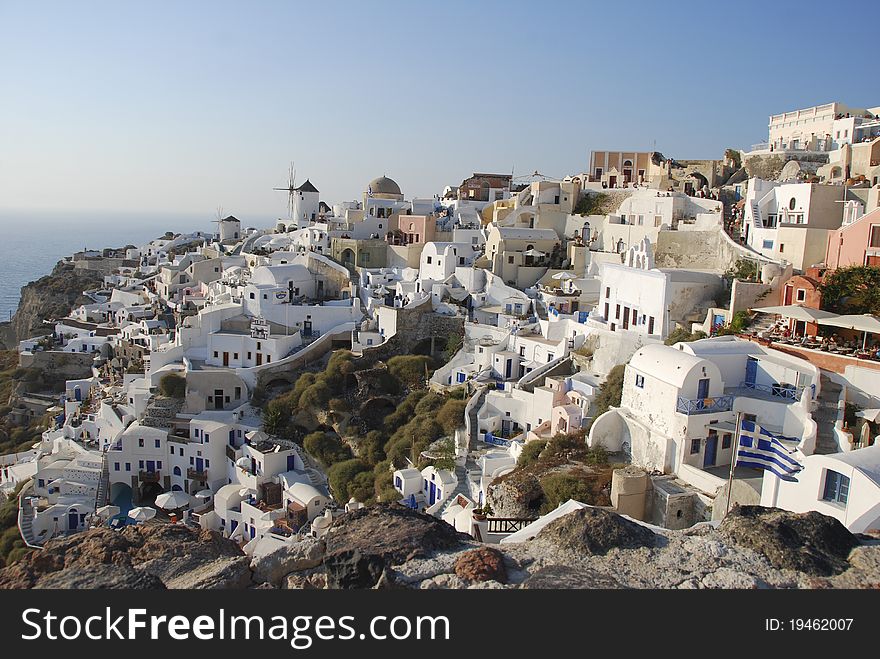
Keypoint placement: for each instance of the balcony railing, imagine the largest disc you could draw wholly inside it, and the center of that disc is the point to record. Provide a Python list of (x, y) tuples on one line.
[(784, 391), (704, 405), (489, 438), (507, 524), (148, 476), (195, 474)]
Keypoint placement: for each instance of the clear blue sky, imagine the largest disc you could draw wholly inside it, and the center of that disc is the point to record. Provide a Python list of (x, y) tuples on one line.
[(183, 106)]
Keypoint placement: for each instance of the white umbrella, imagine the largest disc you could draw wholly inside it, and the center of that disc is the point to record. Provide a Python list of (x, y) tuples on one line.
[(565, 274), (107, 511), (173, 500), (204, 494), (799, 312), (869, 414), (862, 322), (142, 513), (534, 252), (867, 323)]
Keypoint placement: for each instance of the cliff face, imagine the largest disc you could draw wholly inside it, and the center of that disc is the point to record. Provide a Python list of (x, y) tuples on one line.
[(51, 296)]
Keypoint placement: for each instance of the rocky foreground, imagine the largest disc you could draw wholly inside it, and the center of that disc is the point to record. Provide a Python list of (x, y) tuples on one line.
[(389, 546)]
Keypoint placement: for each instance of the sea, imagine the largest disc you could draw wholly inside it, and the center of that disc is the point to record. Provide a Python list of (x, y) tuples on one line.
[(31, 243)]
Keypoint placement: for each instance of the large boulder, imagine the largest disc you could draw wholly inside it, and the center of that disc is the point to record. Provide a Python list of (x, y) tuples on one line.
[(101, 577), (295, 557), (363, 543), (591, 531), (165, 551), (482, 564), (555, 577), (517, 495), (807, 542)]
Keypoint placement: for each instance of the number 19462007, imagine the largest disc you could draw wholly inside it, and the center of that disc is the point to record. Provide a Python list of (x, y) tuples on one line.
[(808, 624)]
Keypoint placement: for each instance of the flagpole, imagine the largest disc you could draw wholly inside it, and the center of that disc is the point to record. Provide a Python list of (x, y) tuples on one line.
[(733, 460)]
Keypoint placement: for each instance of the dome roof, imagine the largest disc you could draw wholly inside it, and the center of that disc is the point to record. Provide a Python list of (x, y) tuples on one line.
[(383, 185)]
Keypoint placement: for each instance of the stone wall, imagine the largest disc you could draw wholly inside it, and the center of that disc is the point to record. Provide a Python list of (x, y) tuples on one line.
[(70, 365), (414, 326)]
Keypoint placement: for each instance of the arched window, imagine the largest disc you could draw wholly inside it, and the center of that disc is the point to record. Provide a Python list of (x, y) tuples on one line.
[(792, 203), (177, 471)]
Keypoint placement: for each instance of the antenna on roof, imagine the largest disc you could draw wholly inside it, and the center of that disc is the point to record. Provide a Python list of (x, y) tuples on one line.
[(290, 189)]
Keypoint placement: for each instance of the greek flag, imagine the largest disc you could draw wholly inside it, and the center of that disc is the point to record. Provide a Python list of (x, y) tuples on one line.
[(761, 449)]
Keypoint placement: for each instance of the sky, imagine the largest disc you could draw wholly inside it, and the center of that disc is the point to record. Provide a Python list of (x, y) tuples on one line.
[(184, 107)]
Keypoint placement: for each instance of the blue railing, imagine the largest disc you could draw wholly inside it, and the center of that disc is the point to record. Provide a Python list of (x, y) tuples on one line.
[(784, 391), (704, 405), (489, 438)]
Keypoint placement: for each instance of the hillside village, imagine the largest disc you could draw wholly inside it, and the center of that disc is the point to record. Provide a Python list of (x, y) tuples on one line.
[(508, 351)]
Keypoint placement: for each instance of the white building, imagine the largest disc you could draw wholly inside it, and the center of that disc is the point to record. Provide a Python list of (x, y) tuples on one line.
[(637, 297), (792, 221), (679, 404), (845, 486)]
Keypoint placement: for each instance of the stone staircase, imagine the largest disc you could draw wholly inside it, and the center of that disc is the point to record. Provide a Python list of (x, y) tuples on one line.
[(461, 473), (26, 520), (161, 411), (825, 416), (102, 495), (472, 416)]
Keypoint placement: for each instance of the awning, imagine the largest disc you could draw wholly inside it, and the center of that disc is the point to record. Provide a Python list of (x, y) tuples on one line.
[(860, 322), (798, 312)]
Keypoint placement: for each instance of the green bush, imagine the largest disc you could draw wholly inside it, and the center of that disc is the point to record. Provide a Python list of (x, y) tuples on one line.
[(362, 487), (341, 474), (173, 386), (559, 488), (610, 391), (372, 447), (451, 415), (411, 370), (327, 449), (680, 334), (530, 453)]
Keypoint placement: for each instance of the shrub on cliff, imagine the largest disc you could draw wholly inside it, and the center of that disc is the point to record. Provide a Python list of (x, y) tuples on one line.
[(559, 488), (342, 474), (610, 391), (173, 386), (327, 449)]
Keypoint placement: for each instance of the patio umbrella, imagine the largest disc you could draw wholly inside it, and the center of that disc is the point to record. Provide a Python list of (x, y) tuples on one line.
[(142, 513), (204, 494), (869, 414), (173, 500), (107, 511), (799, 312), (565, 274), (534, 252), (866, 323)]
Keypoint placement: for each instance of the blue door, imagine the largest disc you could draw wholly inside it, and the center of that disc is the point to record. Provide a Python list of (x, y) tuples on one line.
[(432, 494), (751, 371), (72, 520), (200, 464), (232, 438), (703, 388), (711, 453), (151, 466), (291, 462), (77, 393)]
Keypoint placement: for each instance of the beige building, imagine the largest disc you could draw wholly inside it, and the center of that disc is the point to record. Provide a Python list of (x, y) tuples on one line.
[(520, 256)]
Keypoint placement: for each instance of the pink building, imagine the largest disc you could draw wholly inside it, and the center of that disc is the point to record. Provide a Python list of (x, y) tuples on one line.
[(855, 243)]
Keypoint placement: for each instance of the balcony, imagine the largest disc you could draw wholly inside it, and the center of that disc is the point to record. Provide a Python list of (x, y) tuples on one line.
[(195, 474), (778, 391), (149, 476), (704, 405)]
